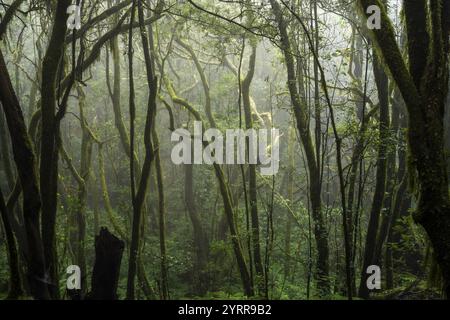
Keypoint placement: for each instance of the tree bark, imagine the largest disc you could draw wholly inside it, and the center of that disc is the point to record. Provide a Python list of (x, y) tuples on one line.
[(26, 167), (424, 90), (253, 195), (105, 276), (139, 196), (380, 184), (15, 286), (51, 65), (162, 219), (300, 113)]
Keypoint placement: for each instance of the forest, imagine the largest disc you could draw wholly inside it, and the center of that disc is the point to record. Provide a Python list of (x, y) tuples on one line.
[(224, 149)]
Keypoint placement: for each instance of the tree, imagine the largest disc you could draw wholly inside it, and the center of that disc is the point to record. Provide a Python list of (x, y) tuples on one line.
[(300, 113), (138, 196), (26, 166), (380, 186), (50, 119), (424, 87)]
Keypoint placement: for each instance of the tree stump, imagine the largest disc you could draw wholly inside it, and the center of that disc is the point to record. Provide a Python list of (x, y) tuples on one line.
[(105, 276)]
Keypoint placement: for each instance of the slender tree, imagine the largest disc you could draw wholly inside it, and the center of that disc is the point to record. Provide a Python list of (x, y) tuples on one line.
[(300, 113)]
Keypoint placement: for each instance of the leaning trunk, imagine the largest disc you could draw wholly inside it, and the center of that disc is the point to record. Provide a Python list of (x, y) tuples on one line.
[(49, 150), (380, 185)]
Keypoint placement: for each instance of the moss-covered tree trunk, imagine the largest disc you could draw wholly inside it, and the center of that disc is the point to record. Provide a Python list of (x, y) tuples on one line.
[(140, 193), (380, 184), (26, 166), (300, 113), (162, 218), (252, 190), (81, 176), (400, 206), (51, 65), (15, 286), (447, 131), (424, 88)]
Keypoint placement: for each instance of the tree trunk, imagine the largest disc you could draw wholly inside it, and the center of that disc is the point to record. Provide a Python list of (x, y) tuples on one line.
[(139, 196), (300, 113), (26, 167), (105, 276), (424, 88), (51, 65), (290, 197), (253, 195), (15, 286), (391, 180), (162, 219), (4, 152), (78, 219), (447, 131), (380, 184)]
